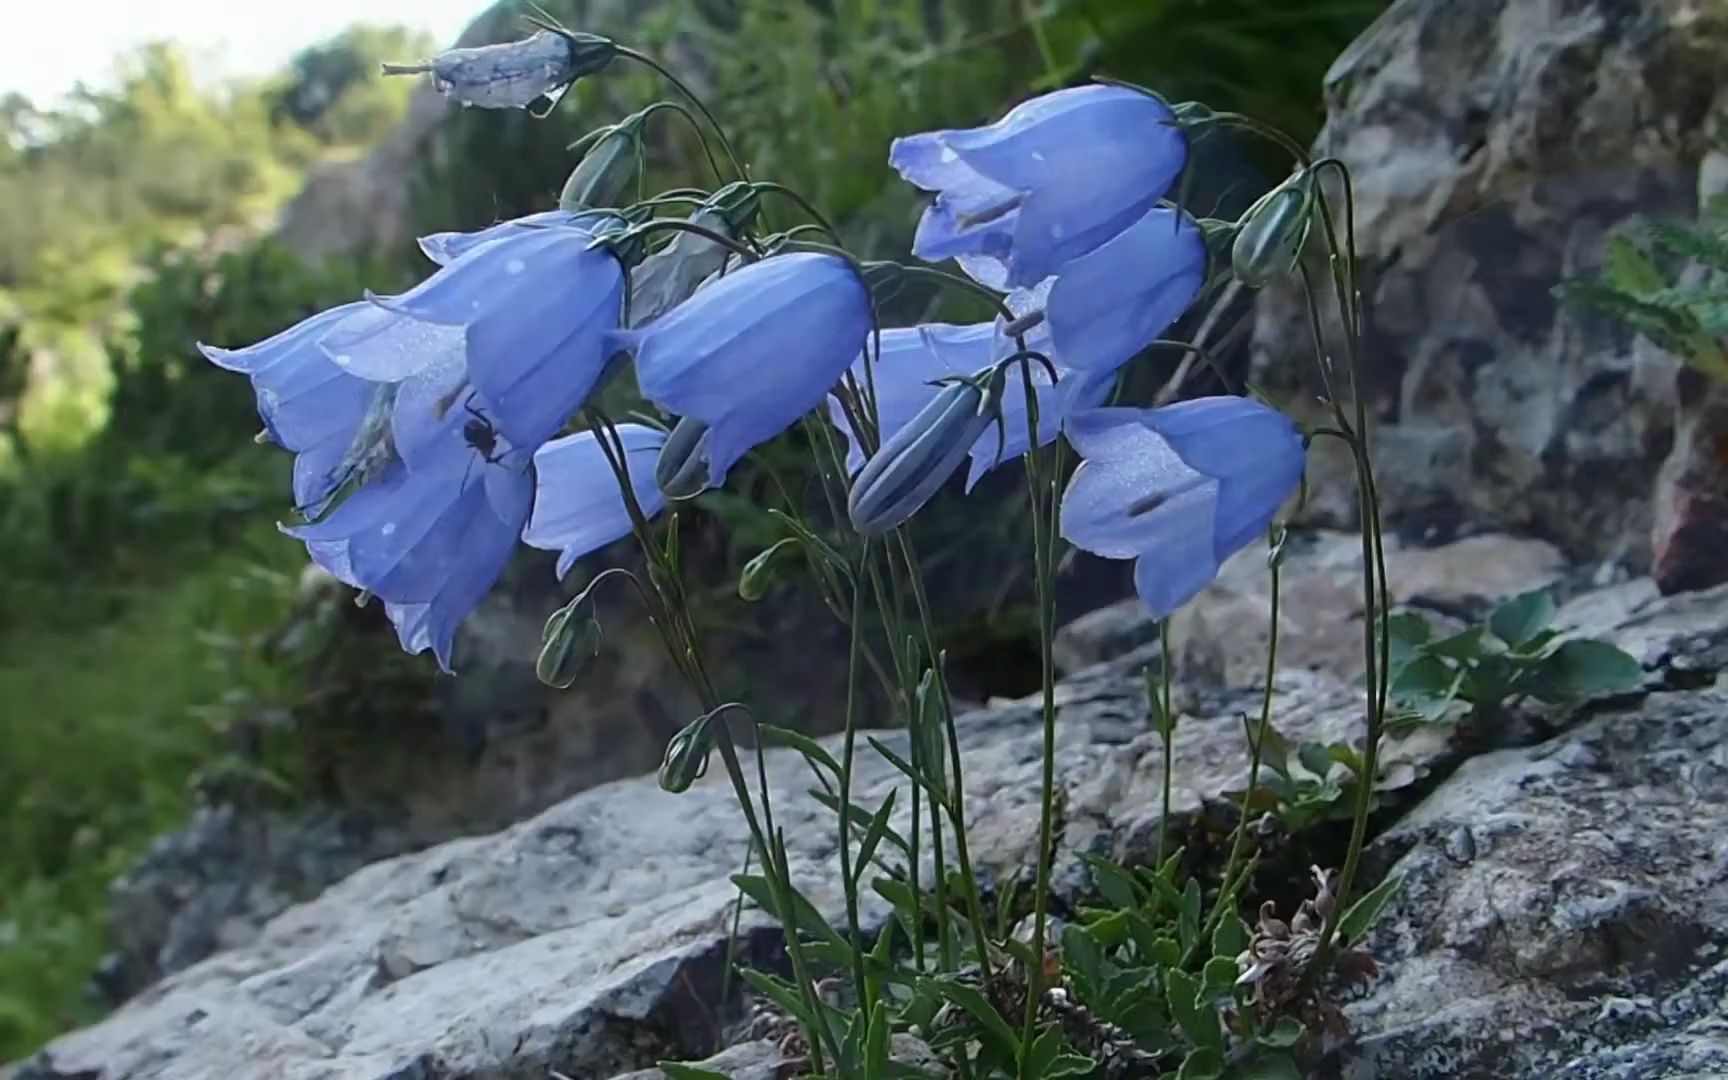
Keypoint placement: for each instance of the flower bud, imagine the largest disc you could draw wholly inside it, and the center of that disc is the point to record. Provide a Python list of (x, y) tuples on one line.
[(605, 171), (673, 273), (1273, 232), (569, 641), (513, 74), (682, 467), (759, 574), (687, 756), (913, 464)]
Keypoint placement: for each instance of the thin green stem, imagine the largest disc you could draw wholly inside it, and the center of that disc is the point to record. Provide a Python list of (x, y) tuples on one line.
[(1226, 885), (666, 73), (848, 750), (1166, 661), (1043, 559)]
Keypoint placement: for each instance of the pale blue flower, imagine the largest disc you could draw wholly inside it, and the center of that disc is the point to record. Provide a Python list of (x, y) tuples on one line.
[(1104, 307), (1052, 180), (524, 316), (578, 507), (1180, 488), (752, 352), (445, 248), (430, 541)]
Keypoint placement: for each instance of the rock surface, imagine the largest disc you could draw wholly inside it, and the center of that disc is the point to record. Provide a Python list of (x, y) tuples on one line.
[(1495, 145), (591, 939), (1564, 911)]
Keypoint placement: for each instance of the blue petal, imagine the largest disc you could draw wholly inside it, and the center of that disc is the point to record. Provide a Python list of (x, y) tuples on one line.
[(317, 473), (1116, 498), (757, 349), (387, 343), (301, 337), (1254, 451), (1177, 566), (1049, 182), (305, 400), (538, 358), (1107, 306), (485, 538), (578, 508), (446, 247)]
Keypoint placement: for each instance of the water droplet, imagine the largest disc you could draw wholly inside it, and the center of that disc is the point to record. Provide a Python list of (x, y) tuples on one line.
[(389, 528), (342, 359), (948, 156), (1038, 156), (515, 266)]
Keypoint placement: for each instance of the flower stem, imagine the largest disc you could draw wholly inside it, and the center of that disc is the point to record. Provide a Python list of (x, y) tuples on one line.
[(666, 73)]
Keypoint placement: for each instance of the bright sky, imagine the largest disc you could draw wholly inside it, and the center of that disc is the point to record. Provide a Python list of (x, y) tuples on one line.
[(48, 47)]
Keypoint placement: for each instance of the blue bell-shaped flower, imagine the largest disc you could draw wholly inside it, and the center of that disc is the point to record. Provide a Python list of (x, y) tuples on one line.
[(578, 507), (1052, 180), (749, 354), (432, 540), (1180, 488)]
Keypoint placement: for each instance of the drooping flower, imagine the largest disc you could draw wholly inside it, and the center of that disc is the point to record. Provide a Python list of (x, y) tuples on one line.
[(671, 274), (1109, 304), (523, 317), (578, 507), (749, 354), (914, 358), (1179, 488), (432, 540), (1052, 180), (445, 248)]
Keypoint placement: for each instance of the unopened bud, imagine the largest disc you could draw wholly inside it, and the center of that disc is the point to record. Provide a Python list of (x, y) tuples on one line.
[(513, 74), (672, 274), (681, 470), (687, 756), (759, 573), (913, 464), (1273, 232), (570, 640), (606, 170)]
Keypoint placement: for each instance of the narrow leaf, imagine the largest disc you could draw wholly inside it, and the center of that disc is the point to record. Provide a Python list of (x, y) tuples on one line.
[(1365, 910)]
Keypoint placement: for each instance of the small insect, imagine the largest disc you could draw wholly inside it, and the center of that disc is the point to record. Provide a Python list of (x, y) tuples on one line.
[(482, 435)]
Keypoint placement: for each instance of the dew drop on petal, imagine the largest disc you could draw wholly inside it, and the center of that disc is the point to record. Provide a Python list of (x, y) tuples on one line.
[(515, 266), (948, 155), (342, 359), (388, 529)]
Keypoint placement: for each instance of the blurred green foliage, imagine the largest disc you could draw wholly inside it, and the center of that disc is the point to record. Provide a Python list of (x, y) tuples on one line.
[(142, 562)]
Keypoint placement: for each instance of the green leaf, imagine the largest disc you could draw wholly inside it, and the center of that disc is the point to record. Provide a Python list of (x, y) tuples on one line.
[(804, 744), (861, 818), (1406, 632), (1629, 269), (1465, 645), (1220, 973), (1583, 668), (1188, 920), (1699, 245), (805, 915), (675, 1071), (1523, 617), (1114, 883), (1316, 758), (1084, 962), (1365, 910), (1205, 1063), (1046, 1048), (779, 992), (1070, 1065), (911, 773), (994, 1029), (876, 1041), (873, 836), (1270, 1067), (1285, 1033), (1197, 1019), (1231, 937)]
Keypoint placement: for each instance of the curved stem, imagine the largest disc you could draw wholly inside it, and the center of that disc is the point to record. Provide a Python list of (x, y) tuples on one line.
[(1226, 884), (679, 225), (666, 73), (803, 204), (707, 151), (1044, 564)]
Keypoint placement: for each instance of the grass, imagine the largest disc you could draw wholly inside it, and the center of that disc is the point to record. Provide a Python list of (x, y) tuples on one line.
[(102, 731)]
